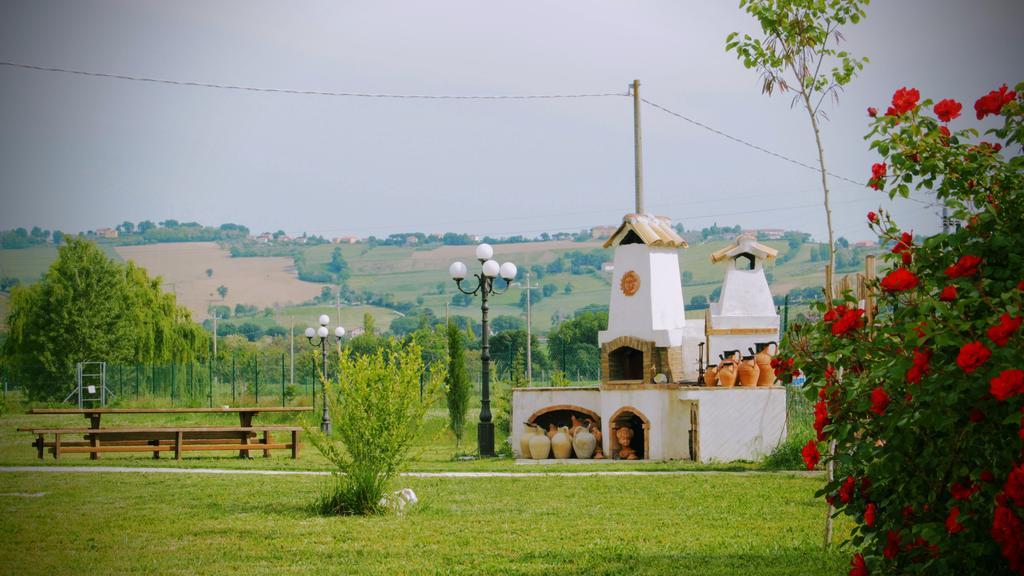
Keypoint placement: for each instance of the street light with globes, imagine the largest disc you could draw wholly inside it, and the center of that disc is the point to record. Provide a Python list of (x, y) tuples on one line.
[(489, 270), (321, 335)]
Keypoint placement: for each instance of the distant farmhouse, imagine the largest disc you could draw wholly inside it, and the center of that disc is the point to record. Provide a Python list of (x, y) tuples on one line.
[(106, 233)]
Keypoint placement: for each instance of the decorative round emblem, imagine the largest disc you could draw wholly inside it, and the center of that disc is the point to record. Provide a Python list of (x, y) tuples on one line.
[(630, 283)]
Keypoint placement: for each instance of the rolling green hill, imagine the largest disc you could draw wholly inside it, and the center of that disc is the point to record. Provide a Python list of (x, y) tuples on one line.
[(418, 277)]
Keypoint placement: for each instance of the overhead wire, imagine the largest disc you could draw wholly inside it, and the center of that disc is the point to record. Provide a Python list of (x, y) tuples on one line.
[(223, 86)]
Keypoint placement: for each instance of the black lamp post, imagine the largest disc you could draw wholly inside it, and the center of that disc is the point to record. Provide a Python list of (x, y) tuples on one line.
[(321, 334), (489, 270)]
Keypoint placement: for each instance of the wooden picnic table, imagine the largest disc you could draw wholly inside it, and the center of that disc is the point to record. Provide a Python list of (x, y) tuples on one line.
[(245, 414), (94, 415)]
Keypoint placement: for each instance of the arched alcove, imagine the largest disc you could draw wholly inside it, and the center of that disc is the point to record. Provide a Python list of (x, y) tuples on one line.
[(630, 417)]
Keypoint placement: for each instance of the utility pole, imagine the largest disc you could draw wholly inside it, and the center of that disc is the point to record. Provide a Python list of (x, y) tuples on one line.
[(638, 148)]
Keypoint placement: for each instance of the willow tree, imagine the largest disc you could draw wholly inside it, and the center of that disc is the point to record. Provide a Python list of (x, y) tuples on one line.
[(798, 53), (89, 308)]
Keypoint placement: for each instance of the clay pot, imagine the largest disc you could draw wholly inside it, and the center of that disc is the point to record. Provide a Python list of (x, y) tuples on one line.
[(561, 444), (540, 446), (596, 431), (727, 374), (529, 431), (711, 375), (552, 430), (764, 361), (748, 372), (584, 443)]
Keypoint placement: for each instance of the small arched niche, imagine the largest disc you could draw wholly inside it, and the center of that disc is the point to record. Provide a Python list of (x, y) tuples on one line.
[(629, 418), (563, 415)]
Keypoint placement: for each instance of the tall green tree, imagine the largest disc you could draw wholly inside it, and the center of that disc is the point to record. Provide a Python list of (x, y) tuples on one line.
[(339, 265), (457, 383), (798, 52), (90, 308)]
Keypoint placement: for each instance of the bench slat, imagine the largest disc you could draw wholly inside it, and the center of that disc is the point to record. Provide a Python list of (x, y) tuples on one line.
[(185, 447), (169, 429)]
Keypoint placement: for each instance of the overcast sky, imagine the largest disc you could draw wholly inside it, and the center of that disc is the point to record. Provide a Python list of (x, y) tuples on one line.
[(78, 153)]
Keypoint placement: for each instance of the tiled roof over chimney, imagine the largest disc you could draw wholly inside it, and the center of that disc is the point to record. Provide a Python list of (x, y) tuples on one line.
[(652, 230)]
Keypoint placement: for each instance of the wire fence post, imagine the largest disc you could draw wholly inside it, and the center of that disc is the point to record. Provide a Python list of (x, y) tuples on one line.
[(209, 370), (136, 381), (232, 378), (282, 380), (174, 380), (256, 378)]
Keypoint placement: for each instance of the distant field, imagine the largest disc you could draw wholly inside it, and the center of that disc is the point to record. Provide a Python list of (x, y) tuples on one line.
[(410, 274), (263, 282)]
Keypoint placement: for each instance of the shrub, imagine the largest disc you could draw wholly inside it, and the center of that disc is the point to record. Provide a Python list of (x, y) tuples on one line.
[(377, 412), (924, 405)]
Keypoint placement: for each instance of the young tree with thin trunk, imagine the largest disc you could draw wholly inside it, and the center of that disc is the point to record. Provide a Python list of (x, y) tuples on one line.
[(799, 53), (457, 383)]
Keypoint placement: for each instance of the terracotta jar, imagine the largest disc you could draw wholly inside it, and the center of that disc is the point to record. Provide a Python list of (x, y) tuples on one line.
[(540, 446), (529, 431), (598, 449), (764, 361), (561, 444), (711, 375), (748, 372), (584, 443), (727, 374)]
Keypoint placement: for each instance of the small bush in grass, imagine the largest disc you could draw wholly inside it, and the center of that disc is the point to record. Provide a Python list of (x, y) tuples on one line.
[(377, 412)]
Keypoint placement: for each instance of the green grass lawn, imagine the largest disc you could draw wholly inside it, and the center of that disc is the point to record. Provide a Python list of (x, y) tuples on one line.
[(203, 524)]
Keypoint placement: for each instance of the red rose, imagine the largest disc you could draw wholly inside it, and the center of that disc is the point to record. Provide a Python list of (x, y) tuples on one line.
[(872, 111), (1020, 286), (944, 131), (961, 492), (907, 258), (993, 102), (952, 526), (906, 243), (987, 476), (869, 514), (1006, 531), (857, 566), (846, 490), (879, 400), (850, 320), (920, 366), (1000, 334), (877, 174), (905, 100), (1008, 384), (820, 419), (872, 217), (1014, 487), (810, 454), (892, 544), (948, 293), (899, 280), (972, 355), (967, 265), (948, 109), (976, 415)]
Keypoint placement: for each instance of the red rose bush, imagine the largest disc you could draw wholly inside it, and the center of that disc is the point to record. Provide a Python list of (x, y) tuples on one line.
[(924, 397)]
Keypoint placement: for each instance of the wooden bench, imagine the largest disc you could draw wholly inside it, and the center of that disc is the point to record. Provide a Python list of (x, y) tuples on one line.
[(165, 439), (232, 437)]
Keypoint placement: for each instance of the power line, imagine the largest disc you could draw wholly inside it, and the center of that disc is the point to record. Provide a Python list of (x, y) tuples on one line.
[(305, 92), (221, 86), (763, 149)]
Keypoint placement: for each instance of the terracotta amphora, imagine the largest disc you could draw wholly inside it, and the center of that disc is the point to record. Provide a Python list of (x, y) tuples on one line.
[(711, 375), (529, 431), (561, 444), (748, 372), (764, 361), (595, 429), (540, 446), (727, 374), (552, 430), (584, 443)]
